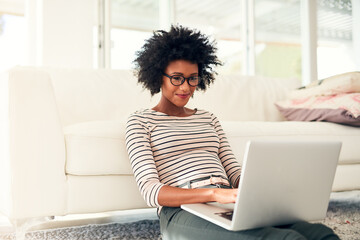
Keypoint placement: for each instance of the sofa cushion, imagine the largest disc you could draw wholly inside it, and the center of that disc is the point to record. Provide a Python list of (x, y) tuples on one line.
[(338, 84), (341, 108), (96, 148), (84, 95), (247, 98)]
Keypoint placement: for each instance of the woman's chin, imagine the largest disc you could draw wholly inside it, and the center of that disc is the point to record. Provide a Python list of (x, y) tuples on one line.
[(181, 104)]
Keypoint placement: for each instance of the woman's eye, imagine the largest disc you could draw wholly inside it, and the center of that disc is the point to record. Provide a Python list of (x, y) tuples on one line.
[(177, 78)]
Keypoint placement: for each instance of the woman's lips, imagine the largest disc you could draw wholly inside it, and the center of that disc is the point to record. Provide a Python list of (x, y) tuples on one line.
[(183, 96)]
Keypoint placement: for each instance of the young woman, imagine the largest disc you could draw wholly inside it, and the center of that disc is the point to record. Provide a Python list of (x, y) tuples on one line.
[(181, 155)]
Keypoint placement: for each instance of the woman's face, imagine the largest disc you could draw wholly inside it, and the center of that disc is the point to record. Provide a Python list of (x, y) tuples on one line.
[(179, 95)]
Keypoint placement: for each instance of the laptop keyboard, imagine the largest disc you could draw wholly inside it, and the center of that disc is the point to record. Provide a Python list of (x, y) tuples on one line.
[(227, 215)]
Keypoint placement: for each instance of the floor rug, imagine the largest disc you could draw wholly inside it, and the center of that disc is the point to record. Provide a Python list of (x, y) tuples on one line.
[(343, 217)]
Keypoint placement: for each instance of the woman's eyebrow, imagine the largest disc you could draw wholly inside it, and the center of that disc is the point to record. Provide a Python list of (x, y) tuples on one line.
[(179, 73)]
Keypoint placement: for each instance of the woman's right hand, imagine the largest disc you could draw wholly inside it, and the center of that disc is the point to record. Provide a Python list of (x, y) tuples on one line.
[(174, 196), (224, 196)]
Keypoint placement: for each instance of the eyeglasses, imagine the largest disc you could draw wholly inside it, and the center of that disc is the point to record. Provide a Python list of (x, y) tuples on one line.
[(177, 80)]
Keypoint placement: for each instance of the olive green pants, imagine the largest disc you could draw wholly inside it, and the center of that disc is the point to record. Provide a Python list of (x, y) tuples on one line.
[(176, 223)]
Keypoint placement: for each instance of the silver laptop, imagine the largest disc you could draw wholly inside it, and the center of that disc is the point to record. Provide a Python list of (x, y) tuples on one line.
[(282, 182)]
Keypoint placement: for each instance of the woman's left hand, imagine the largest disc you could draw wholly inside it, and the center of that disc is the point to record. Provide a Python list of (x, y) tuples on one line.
[(224, 196)]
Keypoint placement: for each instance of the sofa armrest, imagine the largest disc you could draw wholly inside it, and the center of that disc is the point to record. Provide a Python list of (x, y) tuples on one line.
[(32, 177)]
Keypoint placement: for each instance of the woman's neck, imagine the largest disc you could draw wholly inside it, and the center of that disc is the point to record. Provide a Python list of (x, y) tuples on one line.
[(173, 110)]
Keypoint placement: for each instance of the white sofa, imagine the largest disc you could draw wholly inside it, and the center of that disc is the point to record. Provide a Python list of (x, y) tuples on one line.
[(62, 136)]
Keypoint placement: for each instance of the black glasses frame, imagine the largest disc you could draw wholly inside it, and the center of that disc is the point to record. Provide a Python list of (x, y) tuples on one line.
[(183, 80)]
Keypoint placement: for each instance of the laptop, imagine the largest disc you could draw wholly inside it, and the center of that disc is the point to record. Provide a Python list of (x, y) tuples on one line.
[(282, 182)]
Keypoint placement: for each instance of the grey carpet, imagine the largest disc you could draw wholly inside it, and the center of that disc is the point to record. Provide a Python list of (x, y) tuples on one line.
[(145, 229), (343, 217)]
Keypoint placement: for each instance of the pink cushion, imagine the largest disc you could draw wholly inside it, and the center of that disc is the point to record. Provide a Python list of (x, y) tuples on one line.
[(341, 108), (338, 84)]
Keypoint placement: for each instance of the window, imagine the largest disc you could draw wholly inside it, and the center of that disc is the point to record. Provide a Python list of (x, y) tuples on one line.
[(277, 38), (134, 21), (335, 52), (12, 44), (274, 48), (131, 23), (220, 19)]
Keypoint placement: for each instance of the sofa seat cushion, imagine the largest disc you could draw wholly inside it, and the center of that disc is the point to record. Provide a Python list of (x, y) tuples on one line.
[(96, 148), (238, 133)]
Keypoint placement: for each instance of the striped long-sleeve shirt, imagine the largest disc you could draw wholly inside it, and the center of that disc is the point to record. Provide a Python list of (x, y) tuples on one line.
[(169, 150)]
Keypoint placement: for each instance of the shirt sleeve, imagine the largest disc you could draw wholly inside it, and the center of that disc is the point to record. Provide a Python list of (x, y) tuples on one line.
[(142, 161), (227, 158)]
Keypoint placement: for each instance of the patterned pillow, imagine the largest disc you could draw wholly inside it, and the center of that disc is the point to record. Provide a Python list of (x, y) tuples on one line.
[(340, 108), (338, 84)]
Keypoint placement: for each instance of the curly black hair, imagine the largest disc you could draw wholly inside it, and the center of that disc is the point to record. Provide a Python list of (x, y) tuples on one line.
[(180, 43)]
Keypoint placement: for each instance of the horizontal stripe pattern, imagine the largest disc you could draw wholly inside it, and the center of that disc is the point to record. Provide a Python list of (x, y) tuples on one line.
[(169, 150)]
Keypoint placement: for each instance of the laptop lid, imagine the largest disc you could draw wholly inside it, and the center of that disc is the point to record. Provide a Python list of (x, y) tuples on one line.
[(282, 182)]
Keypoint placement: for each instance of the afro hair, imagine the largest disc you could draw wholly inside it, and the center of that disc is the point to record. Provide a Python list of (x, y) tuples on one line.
[(180, 43)]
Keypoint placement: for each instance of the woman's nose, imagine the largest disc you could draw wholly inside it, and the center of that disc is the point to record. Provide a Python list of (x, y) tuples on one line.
[(185, 86)]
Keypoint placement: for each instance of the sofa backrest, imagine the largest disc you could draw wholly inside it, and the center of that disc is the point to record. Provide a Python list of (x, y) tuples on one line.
[(245, 98), (84, 95)]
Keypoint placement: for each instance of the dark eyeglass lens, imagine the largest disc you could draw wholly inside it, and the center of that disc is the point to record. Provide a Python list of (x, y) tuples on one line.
[(194, 81), (177, 80)]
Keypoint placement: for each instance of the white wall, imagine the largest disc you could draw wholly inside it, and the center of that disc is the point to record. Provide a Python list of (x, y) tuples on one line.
[(60, 32)]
